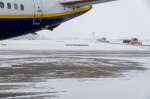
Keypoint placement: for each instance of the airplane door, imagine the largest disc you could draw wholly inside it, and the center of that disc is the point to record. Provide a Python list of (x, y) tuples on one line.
[(37, 12)]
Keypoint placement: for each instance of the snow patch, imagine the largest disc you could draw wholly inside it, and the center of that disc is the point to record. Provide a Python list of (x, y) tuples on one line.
[(4, 64)]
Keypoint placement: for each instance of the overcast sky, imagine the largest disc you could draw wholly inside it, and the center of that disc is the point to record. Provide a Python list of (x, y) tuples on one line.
[(119, 19)]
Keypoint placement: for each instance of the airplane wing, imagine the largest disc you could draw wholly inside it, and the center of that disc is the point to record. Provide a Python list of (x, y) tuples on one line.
[(80, 3)]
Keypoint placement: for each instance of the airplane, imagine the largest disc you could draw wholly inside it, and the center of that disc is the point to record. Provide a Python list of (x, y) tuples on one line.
[(21, 17)]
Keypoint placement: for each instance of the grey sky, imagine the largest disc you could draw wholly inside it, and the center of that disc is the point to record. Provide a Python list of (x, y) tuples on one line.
[(119, 19)]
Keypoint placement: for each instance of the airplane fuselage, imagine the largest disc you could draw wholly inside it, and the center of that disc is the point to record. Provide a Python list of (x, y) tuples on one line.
[(20, 17)]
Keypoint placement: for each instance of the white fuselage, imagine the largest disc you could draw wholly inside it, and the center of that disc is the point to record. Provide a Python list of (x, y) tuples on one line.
[(19, 17), (47, 7)]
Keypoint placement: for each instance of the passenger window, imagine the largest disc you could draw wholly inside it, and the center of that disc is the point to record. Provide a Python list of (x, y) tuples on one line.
[(15, 6), (22, 7), (8, 5), (1, 5)]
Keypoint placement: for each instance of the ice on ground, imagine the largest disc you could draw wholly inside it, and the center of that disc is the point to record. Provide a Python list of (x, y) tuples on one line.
[(137, 88), (135, 85)]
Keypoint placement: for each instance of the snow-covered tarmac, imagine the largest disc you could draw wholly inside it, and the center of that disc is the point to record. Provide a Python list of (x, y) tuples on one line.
[(51, 70)]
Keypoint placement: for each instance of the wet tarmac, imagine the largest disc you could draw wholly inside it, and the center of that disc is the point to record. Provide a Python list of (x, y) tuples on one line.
[(21, 69)]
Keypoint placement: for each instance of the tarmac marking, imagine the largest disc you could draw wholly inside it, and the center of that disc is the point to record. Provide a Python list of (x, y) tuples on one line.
[(39, 51), (107, 71), (12, 89), (114, 73), (5, 81), (111, 75), (88, 54), (67, 75), (89, 72)]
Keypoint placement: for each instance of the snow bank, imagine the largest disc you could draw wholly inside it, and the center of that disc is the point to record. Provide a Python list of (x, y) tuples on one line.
[(60, 45)]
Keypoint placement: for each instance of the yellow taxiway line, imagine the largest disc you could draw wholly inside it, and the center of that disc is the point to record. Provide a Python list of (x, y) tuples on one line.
[(79, 64)]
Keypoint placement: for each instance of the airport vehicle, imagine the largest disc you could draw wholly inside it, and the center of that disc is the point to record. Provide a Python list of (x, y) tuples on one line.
[(20, 17)]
